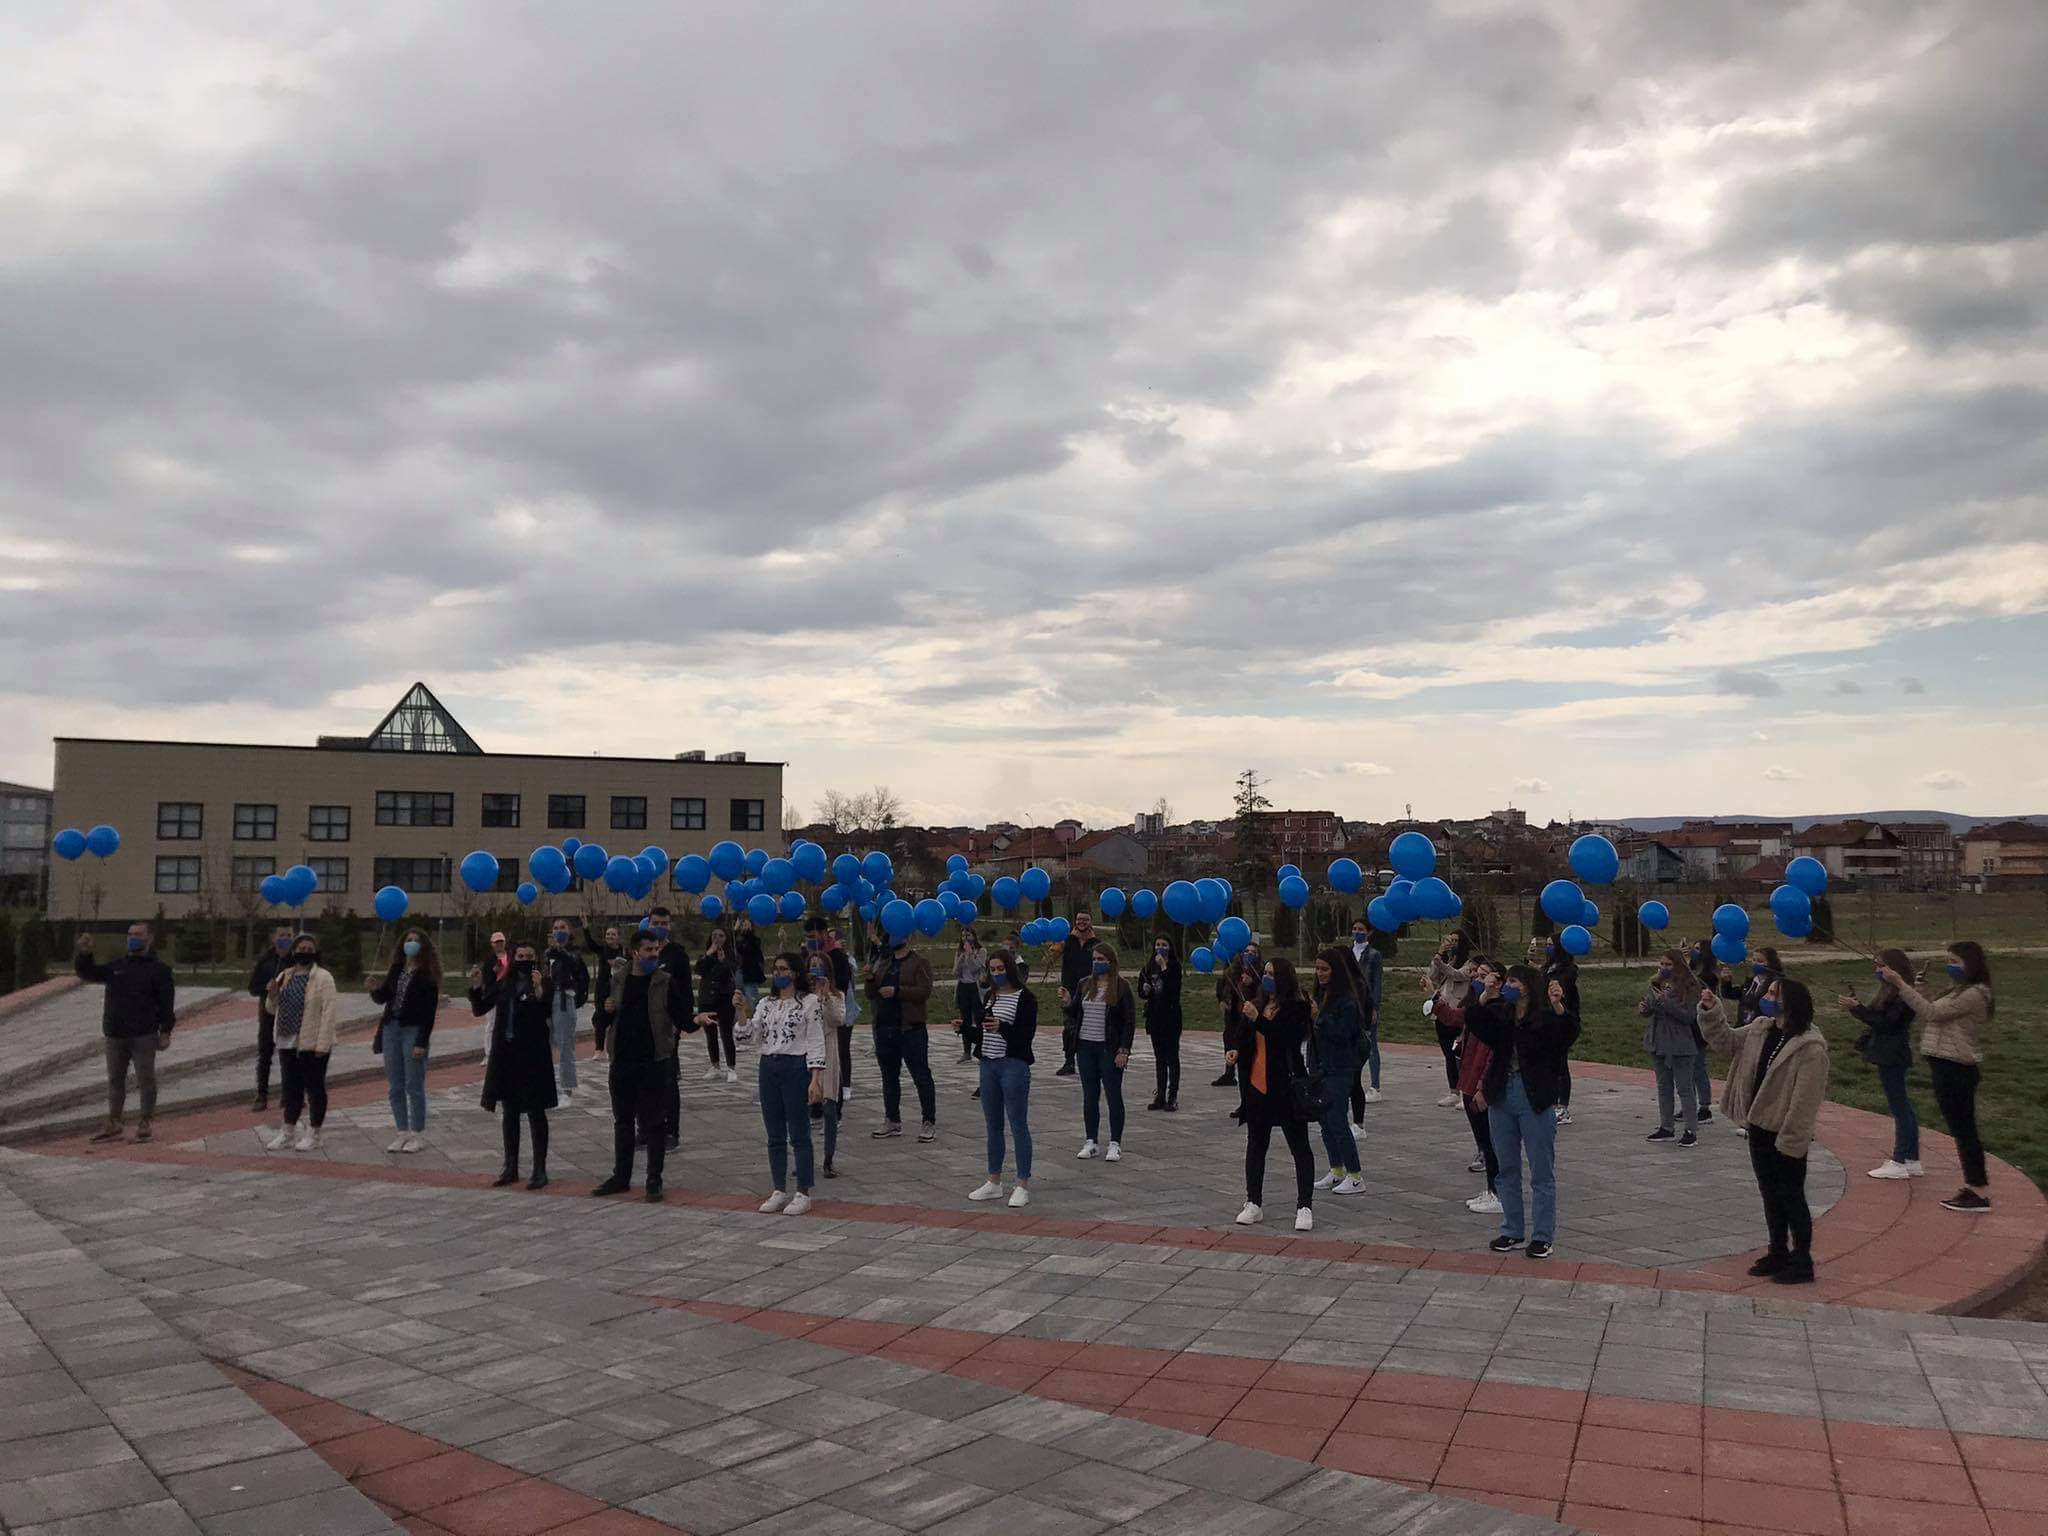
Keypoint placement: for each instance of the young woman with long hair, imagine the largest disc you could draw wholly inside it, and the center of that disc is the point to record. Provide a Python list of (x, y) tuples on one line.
[(1561, 968), (302, 1000), (1159, 988), (519, 1073), (1104, 1018), (1951, 1038), (1706, 970), (1448, 980), (1527, 1041), (717, 986), (1474, 1060), (1669, 1009), (788, 1027), (411, 994), (1887, 1044), (1008, 1028), (823, 985), (1269, 1064), (1337, 1047), (970, 975)]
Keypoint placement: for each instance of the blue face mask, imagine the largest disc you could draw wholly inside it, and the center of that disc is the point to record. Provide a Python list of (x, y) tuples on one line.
[(660, 933), (137, 944), (782, 982), (1757, 967), (1102, 967), (648, 963), (1358, 936), (282, 944), (561, 939), (412, 948), (1511, 995), (817, 975), (999, 978), (1269, 985), (1768, 1007), (1956, 971)]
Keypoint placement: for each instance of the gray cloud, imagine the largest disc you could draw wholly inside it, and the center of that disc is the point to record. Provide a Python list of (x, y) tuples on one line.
[(1751, 685)]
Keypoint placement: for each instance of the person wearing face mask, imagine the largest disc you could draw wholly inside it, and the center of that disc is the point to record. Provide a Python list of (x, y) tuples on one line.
[(823, 985), (268, 964), (716, 988), (675, 961), (1336, 1047), (1008, 1024), (1951, 1038), (970, 976), (1526, 1043), (1776, 1087), (749, 963), (1449, 981), (900, 985), (1077, 961), (1668, 1010), (607, 950), (1887, 1044), (1237, 986), (1103, 1019), (1371, 971), (303, 998), (568, 986), (1706, 971), (1474, 1060), (137, 1014), (519, 1077), (649, 1008), (1159, 987), (411, 995), (1270, 1063), (788, 1027), (1560, 967)]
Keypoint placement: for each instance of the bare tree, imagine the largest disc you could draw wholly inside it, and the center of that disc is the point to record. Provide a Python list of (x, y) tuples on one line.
[(792, 818), (839, 811), (881, 810)]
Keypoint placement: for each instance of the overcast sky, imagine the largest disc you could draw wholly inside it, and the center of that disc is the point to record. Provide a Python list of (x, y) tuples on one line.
[(1607, 408)]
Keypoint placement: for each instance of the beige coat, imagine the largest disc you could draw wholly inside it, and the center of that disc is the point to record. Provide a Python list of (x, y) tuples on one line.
[(322, 1023), (1789, 1099), (1952, 1025)]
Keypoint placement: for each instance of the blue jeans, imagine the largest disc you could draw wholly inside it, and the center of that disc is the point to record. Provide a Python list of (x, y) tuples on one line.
[(406, 1076), (1006, 1091), (786, 1111), (1515, 1126), (1372, 1052), (1905, 1124), (562, 1024), (1338, 1141), (1099, 1071)]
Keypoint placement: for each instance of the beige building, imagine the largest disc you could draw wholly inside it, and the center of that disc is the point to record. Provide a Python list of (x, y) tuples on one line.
[(202, 823)]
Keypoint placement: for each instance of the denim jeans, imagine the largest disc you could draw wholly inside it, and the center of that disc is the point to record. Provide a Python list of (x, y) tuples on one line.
[(1677, 1075), (1517, 1127), (406, 1076), (1006, 1092), (786, 1112), (1702, 1083), (562, 1025), (1338, 1141), (1905, 1123), (1099, 1072)]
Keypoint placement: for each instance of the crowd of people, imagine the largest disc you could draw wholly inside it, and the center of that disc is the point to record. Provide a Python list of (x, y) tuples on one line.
[(1302, 1051)]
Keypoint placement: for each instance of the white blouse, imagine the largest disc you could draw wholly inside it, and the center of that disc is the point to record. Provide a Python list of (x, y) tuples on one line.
[(791, 1026)]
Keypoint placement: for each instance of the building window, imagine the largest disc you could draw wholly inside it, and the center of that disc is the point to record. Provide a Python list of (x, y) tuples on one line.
[(629, 813), (501, 810), (511, 873), (333, 875), (256, 823), (416, 877), (746, 815), (247, 874), (686, 815), (414, 808), (327, 824), (179, 820), (565, 811), (177, 877)]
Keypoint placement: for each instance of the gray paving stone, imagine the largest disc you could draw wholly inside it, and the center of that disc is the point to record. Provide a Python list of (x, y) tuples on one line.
[(161, 1518), (471, 1423), (1361, 1504), (60, 1494), (621, 1476), (272, 1480), (730, 1441), (1199, 1512), (812, 1469), (716, 1504), (1237, 1470), (1113, 1494), (911, 1498), (545, 1447), (1001, 1463), (96, 1446), (1017, 1516), (336, 1512), (1128, 1443), (208, 1445)]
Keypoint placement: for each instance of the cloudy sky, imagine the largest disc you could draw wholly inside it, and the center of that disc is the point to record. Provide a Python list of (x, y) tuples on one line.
[(1609, 408)]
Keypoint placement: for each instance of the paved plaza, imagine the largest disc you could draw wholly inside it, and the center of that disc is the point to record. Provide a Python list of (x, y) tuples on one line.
[(201, 1335)]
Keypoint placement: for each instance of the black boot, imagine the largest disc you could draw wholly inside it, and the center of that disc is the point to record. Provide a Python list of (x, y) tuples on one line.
[(1227, 1080), (540, 1177), (509, 1174), (1770, 1264)]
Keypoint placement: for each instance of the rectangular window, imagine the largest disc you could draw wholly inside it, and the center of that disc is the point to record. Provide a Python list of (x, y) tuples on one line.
[(511, 872), (256, 823), (177, 877), (414, 808), (501, 810), (746, 815), (326, 823), (416, 877), (686, 815), (333, 875), (565, 811), (247, 874), (178, 820), (629, 813)]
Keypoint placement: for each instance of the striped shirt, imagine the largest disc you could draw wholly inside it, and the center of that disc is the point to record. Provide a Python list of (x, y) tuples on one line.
[(993, 1046), (1094, 1019), (291, 1009)]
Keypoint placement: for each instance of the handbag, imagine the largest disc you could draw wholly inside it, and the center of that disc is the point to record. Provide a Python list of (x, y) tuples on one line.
[(1308, 1097)]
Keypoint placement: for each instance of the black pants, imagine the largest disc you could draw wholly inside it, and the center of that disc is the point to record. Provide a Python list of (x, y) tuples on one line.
[(897, 1047), (305, 1086), (639, 1090), (1358, 1095), (713, 1034), (1781, 1180), (266, 1049), (1955, 1090), (1482, 1133), (845, 1055), (1166, 1060), (538, 1120), (1564, 1086), (1228, 1075), (600, 1024), (672, 1103), (1258, 1138), (1447, 1042), (967, 1003)]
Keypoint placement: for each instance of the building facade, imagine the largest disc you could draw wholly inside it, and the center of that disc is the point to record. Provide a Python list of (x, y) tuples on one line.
[(26, 828), (202, 823)]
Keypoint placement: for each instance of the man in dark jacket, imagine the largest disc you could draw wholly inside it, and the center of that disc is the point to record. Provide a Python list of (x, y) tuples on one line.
[(676, 961), (568, 986), (648, 1006), (901, 985), (267, 965), (1077, 959), (139, 1011)]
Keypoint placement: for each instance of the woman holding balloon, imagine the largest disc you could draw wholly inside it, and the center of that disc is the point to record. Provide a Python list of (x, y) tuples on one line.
[(1159, 987), (1668, 1010), (1951, 1038)]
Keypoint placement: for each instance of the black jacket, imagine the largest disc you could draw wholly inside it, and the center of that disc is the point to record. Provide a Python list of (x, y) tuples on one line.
[(1566, 974), (567, 973), (422, 999), (1076, 960), (1279, 1040), (1888, 1040), (601, 979), (142, 995), (259, 980), (753, 965), (521, 1069), (1234, 988), (1161, 991), (714, 987), (1017, 1036), (1119, 1019), (1339, 1037), (1540, 1044)]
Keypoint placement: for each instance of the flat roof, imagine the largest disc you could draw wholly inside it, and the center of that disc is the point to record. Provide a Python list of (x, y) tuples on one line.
[(386, 752)]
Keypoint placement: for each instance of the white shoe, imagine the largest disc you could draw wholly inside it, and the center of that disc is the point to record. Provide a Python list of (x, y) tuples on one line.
[(565, 1096), (1486, 1203), (773, 1203), (1115, 1154), (1358, 1133), (281, 1138), (1304, 1220), (798, 1204), (846, 1095), (1914, 1170), (1019, 1197), (1890, 1170), (1564, 1115), (1372, 1095), (1250, 1214), (712, 1074), (731, 1076), (1087, 1150), (399, 1145), (990, 1190), (414, 1142), (1329, 1180), (1352, 1184), (309, 1141), (1448, 1101)]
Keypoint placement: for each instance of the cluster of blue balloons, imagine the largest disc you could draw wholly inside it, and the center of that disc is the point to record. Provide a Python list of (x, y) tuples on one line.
[(1233, 934), (1596, 861), (293, 888), (102, 842), (1184, 901), (1792, 903)]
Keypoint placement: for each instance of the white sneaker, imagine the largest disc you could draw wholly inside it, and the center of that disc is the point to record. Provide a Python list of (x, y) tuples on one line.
[(1890, 1170), (1372, 1095), (565, 1096), (990, 1190), (1486, 1203), (281, 1138), (1019, 1197), (1564, 1115), (1914, 1170), (1351, 1184), (799, 1203), (773, 1203), (1304, 1220), (712, 1073), (1448, 1101), (1087, 1150), (1251, 1213), (1329, 1180), (309, 1141), (414, 1142), (731, 1076), (846, 1095), (399, 1144), (1358, 1131), (1115, 1154)]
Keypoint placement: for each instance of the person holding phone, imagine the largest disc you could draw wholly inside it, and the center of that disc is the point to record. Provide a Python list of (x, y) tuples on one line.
[(268, 964), (1008, 1027), (1450, 983), (1952, 1028), (411, 995), (303, 999), (1270, 1064), (824, 985), (1526, 1045), (519, 1073), (717, 985), (970, 974), (1668, 1010), (1159, 989), (788, 1027), (1887, 1044)]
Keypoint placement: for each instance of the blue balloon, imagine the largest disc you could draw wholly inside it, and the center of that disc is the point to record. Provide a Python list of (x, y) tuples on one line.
[(1435, 900), (390, 904), (1181, 901), (967, 914), (1589, 915), (762, 909), (898, 919), (1112, 902), (975, 888), (301, 882), (1796, 927), (756, 859), (1413, 856), (1033, 932), (619, 872), (1808, 874), (957, 864), (102, 841), (1789, 898), (868, 911), (479, 870), (1345, 876), (693, 873), (1654, 915), (1144, 904), (1288, 872), (1575, 940), (658, 857), (1729, 949), (728, 860), (1731, 920), (273, 890), (832, 898), (1232, 934), (791, 907), (1035, 883), (545, 858), (929, 916), (1294, 892), (846, 870), (711, 907), (1381, 915), (1562, 901), (570, 845), (1400, 900), (1058, 928), (528, 893), (877, 867), (68, 844), (950, 900), (1212, 900), (777, 876), (810, 863), (591, 860), (1004, 892), (1594, 859), (1201, 959), (556, 878)]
